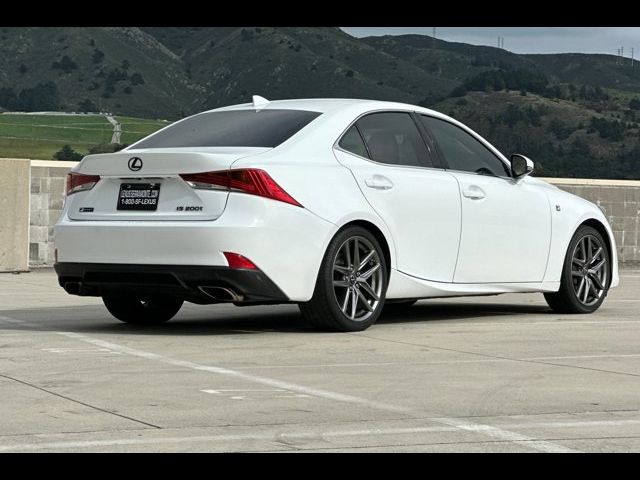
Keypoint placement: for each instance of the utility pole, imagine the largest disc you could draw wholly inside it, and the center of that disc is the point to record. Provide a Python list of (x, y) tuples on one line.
[(502, 43), (434, 37), (631, 57)]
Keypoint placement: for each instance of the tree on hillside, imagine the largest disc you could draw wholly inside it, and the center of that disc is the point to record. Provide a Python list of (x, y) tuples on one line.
[(98, 56), (634, 104), (65, 64), (43, 96), (608, 129), (87, 105), (67, 153), (136, 79), (8, 99)]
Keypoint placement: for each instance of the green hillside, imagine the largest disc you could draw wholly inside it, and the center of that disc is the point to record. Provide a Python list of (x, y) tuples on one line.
[(41, 136)]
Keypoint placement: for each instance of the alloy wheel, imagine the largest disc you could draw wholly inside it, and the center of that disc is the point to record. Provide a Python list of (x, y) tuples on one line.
[(589, 270), (357, 278)]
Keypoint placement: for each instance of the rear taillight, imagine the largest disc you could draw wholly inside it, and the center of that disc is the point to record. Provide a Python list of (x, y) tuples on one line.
[(248, 180), (77, 182)]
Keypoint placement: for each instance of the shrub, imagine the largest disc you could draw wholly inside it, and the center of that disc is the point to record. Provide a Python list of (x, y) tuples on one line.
[(67, 153)]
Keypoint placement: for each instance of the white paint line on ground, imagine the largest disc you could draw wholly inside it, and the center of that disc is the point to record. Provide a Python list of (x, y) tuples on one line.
[(463, 425), (279, 384), (233, 393), (577, 357), (502, 434), (64, 351), (465, 324), (220, 391), (278, 436), (437, 362)]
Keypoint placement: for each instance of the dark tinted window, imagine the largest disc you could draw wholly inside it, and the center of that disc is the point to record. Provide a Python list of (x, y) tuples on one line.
[(462, 151), (392, 137), (233, 128), (352, 142)]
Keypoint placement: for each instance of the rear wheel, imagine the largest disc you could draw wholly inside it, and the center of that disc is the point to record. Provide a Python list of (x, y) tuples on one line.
[(585, 276), (142, 310), (351, 285)]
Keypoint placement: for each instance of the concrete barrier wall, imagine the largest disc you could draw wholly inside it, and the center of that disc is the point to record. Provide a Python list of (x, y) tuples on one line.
[(14, 215), (48, 184), (619, 199)]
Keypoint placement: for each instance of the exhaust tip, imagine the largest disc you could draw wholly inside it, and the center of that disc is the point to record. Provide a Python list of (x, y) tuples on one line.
[(221, 294)]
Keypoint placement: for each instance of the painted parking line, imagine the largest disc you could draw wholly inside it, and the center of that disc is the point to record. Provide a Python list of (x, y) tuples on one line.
[(460, 424), (255, 393), (74, 351), (320, 434), (435, 362)]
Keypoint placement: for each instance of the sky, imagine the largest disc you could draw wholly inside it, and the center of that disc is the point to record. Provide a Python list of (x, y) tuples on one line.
[(527, 39)]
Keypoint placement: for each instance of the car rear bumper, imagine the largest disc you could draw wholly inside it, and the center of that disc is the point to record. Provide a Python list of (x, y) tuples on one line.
[(198, 284), (285, 242)]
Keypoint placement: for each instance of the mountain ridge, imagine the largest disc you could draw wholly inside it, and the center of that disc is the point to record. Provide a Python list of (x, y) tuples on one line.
[(171, 72)]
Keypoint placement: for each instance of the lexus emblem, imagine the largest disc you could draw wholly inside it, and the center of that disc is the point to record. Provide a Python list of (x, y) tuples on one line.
[(135, 164)]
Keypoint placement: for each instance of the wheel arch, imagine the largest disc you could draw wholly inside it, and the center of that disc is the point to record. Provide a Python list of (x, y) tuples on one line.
[(378, 234), (602, 230)]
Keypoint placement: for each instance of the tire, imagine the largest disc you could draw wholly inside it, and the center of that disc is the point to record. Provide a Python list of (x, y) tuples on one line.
[(338, 284), (584, 283), (142, 311)]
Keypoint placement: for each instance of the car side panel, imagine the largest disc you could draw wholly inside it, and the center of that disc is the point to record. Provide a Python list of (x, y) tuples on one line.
[(326, 189)]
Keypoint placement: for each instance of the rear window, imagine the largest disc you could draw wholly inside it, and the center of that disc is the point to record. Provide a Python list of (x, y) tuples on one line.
[(233, 128)]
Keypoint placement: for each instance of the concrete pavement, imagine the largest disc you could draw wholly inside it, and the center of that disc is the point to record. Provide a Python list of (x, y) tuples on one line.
[(488, 374)]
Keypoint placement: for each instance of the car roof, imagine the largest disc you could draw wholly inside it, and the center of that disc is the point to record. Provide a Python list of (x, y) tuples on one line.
[(325, 105)]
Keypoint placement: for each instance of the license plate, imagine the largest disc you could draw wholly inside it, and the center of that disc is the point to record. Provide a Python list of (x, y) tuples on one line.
[(138, 196)]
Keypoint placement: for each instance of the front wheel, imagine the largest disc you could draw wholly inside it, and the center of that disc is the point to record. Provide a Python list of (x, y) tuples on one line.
[(149, 310), (351, 284), (585, 276)]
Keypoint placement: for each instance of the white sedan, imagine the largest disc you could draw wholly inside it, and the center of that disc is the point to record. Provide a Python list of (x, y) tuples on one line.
[(337, 205)]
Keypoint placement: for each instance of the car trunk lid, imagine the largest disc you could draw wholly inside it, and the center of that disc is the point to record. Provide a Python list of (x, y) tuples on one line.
[(146, 184)]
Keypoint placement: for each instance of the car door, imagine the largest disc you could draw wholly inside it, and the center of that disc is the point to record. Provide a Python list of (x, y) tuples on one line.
[(418, 201), (506, 223)]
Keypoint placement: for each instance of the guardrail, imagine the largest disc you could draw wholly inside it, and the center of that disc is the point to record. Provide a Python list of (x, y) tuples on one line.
[(32, 193)]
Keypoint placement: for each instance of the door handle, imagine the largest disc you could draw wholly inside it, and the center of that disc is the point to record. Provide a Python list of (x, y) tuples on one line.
[(473, 192), (379, 182)]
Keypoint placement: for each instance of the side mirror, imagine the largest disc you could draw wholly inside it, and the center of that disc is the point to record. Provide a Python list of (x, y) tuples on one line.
[(521, 166)]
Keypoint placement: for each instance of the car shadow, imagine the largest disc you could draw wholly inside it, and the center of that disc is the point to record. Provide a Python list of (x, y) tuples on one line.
[(199, 321)]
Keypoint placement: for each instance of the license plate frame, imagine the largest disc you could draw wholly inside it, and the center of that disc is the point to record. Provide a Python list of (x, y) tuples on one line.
[(139, 196)]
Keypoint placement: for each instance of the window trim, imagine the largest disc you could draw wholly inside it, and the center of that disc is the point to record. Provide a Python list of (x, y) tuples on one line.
[(434, 154), (474, 135)]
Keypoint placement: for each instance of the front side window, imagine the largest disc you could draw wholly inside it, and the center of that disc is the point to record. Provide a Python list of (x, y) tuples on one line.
[(462, 151), (232, 128), (393, 138)]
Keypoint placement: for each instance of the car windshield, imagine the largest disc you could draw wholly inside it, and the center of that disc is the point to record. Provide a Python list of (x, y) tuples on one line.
[(232, 128)]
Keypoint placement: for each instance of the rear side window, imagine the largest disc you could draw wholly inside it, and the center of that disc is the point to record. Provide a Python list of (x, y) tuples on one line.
[(462, 151), (393, 138), (232, 128), (352, 142)]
